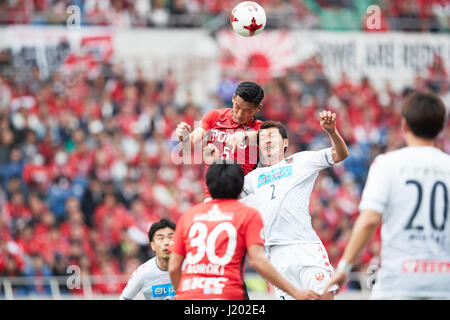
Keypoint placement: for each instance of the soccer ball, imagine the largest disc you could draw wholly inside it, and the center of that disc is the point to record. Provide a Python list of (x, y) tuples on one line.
[(248, 18)]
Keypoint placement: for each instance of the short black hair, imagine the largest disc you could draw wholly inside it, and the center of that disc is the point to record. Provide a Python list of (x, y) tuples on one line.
[(161, 224), (250, 92), (225, 181), (424, 113)]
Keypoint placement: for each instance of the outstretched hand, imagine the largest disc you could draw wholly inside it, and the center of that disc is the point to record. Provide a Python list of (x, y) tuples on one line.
[(306, 294), (338, 279)]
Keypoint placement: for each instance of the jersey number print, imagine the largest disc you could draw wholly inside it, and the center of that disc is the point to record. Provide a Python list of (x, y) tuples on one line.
[(206, 243), (432, 206)]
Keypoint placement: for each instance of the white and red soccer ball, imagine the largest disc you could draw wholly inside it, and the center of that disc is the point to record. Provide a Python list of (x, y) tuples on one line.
[(248, 18)]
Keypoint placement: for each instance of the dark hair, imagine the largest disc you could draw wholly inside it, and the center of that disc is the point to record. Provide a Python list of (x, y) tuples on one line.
[(424, 113), (250, 92), (225, 181), (161, 224), (273, 124)]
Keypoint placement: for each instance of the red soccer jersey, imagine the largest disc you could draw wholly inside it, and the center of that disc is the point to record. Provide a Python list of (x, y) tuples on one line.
[(219, 124), (214, 237)]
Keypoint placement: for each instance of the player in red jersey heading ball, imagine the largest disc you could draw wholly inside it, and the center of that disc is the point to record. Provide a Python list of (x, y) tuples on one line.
[(232, 131)]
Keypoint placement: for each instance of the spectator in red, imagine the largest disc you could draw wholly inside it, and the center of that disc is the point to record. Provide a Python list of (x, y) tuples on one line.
[(17, 207), (437, 76)]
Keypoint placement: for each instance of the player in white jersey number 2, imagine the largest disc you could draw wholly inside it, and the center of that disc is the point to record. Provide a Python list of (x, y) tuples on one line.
[(407, 191), (280, 189), (152, 277)]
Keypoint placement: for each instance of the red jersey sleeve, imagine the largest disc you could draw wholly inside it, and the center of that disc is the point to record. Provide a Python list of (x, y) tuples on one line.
[(254, 229), (209, 119), (258, 124), (177, 245)]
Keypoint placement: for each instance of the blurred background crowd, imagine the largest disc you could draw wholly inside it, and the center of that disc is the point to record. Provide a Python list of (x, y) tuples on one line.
[(85, 162), (399, 15)]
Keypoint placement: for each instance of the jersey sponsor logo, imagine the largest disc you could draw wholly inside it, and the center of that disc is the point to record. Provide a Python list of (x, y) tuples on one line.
[(275, 174), (221, 136), (425, 266), (163, 290), (213, 215), (210, 285)]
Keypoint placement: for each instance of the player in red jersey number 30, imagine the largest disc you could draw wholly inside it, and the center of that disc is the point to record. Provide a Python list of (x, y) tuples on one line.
[(214, 238)]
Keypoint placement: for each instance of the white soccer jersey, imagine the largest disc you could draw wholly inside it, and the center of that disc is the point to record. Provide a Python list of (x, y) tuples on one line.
[(151, 280), (410, 189), (282, 192)]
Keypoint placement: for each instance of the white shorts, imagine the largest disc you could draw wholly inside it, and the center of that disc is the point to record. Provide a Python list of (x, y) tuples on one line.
[(305, 265)]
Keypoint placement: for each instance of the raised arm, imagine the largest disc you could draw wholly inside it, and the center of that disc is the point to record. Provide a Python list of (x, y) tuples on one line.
[(339, 148)]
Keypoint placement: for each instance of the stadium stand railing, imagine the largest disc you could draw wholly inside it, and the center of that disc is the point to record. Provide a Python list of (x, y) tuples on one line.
[(59, 288)]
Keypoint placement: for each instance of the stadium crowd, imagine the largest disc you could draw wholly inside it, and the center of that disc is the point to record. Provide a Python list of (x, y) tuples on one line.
[(404, 15), (85, 164)]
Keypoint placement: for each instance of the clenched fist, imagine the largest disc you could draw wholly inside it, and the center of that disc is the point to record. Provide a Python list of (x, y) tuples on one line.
[(328, 121), (210, 154), (182, 131)]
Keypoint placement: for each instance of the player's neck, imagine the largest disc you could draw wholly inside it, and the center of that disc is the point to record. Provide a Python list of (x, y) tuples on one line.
[(162, 263), (414, 141), (271, 161)]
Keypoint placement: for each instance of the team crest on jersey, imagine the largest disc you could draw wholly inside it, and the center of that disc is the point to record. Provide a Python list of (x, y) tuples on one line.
[(275, 174), (319, 276), (289, 160)]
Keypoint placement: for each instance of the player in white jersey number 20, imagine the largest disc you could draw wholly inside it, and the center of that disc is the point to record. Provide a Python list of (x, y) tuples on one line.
[(407, 191), (280, 189), (152, 277)]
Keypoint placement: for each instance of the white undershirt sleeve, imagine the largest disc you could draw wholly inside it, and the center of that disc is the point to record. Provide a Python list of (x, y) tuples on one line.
[(133, 287)]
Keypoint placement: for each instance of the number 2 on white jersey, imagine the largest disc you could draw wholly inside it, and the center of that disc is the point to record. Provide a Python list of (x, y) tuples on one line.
[(198, 233), (273, 192)]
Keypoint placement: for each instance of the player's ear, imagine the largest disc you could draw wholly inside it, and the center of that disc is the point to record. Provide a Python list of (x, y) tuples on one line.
[(405, 126), (285, 144), (152, 246)]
